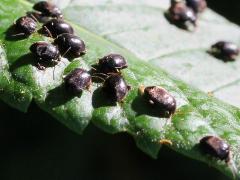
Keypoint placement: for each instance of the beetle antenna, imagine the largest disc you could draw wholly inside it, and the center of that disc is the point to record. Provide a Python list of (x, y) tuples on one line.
[(66, 51), (32, 16), (48, 31), (54, 68), (94, 68), (102, 74), (113, 73), (99, 78), (19, 34)]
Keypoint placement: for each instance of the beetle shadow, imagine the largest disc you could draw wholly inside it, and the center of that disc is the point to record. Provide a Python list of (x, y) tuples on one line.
[(66, 54), (69, 56), (13, 34), (198, 149), (30, 59), (142, 107), (219, 57), (27, 59), (101, 99), (59, 96), (97, 76)]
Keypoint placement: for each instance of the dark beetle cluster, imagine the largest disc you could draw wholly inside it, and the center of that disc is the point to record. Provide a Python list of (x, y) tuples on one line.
[(107, 69), (44, 11), (184, 13), (114, 84), (65, 43)]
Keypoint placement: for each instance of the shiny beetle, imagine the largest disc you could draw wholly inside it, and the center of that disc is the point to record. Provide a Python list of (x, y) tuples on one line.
[(70, 45), (224, 50), (159, 98), (56, 27), (48, 9), (25, 26), (46, 53), (78, 80), (116, 87), (182, 16), (111, 63)]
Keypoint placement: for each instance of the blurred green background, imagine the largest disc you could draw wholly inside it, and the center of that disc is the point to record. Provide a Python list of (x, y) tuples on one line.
[(34, 146)]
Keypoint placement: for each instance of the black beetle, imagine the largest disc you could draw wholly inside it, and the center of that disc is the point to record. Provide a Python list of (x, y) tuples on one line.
[(215, 147), (56, 27), (25, 26), (48, 9), (111, 63), (225, 50), (116, 87), (182, 16), (46, 53), (78, 80), (198, 6), (70, 45), (159, 98)]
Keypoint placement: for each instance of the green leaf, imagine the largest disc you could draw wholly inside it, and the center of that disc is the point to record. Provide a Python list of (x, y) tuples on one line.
[(197, 114)]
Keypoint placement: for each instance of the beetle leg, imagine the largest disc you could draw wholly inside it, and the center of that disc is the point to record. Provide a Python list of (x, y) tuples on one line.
[(40, 66)]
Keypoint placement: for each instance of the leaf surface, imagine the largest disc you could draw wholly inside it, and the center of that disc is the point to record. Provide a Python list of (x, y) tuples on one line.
[(197, 115)]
